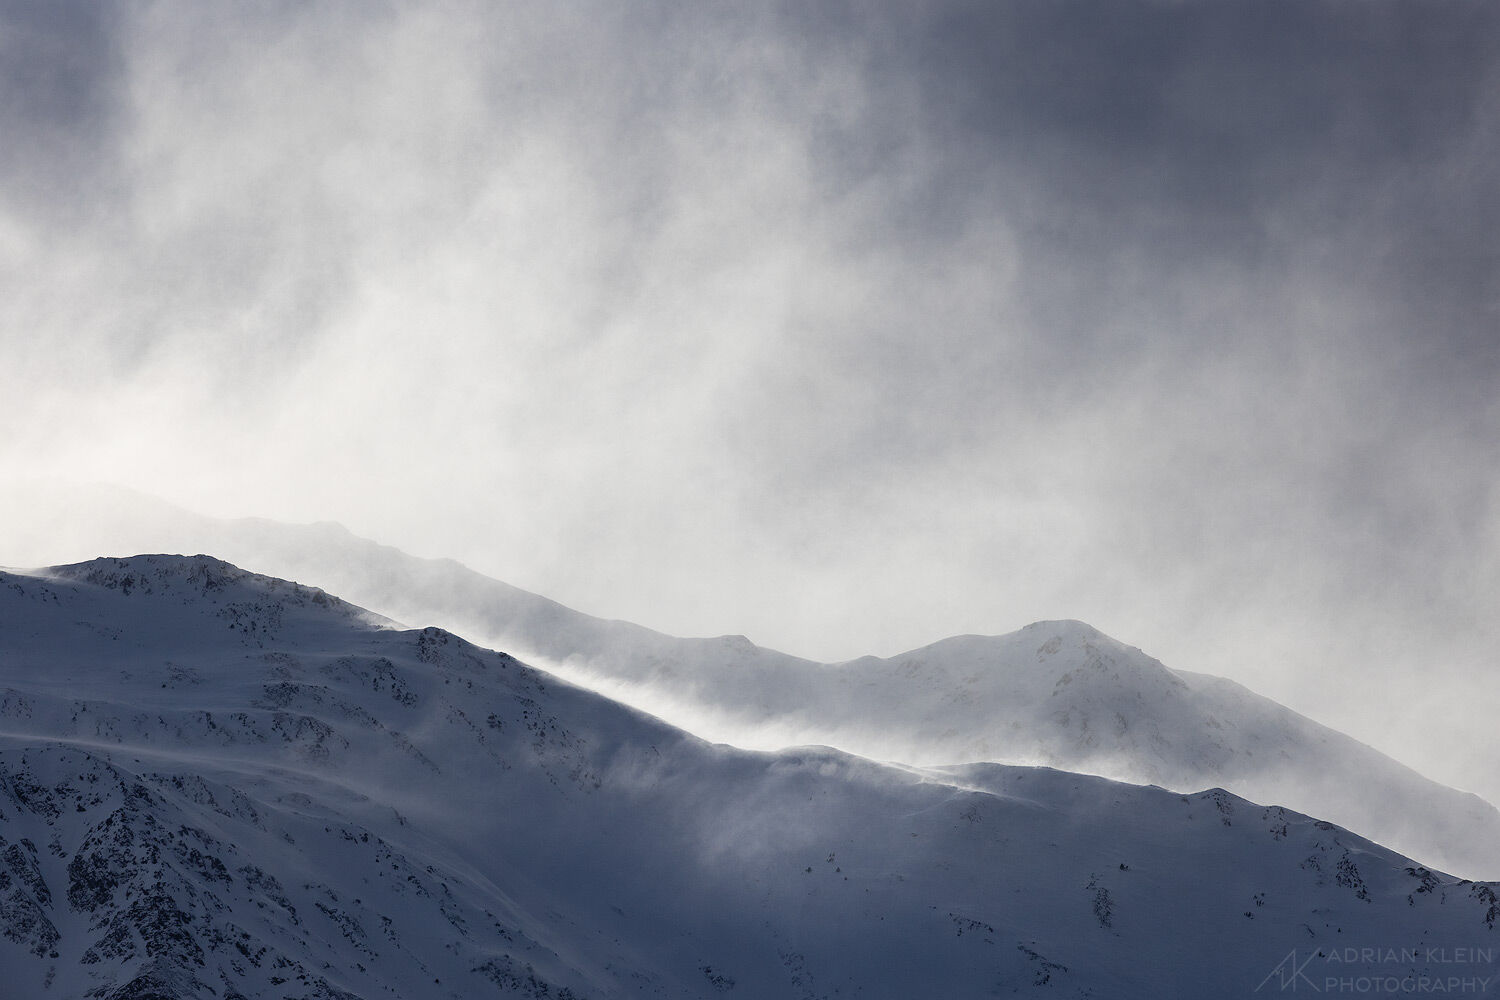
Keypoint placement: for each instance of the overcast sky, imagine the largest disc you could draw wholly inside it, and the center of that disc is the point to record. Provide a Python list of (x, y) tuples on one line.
[(843, 326)]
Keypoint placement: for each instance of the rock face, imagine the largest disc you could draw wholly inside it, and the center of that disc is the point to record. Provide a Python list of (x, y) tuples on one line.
[(216, 784)]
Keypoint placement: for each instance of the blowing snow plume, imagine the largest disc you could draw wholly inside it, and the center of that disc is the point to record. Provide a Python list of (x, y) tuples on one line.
[(217, 781), (1060, 694)]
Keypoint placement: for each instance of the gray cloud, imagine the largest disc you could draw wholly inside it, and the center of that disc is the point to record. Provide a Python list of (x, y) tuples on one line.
[(59, 70)]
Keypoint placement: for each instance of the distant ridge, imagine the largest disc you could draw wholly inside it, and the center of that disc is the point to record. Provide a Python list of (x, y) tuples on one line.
[(1059, 694)]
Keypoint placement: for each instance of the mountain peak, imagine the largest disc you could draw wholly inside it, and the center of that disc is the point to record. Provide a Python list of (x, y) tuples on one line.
[(1069, 627), (204, 577), (148, 573)]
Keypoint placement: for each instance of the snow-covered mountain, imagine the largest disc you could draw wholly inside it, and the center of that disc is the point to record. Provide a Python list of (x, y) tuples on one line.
[(1056, 693), (219, 784)]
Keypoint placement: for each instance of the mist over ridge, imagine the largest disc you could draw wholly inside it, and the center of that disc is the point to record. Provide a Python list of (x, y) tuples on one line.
[(1059, 694), (222, 781), (872, 348)]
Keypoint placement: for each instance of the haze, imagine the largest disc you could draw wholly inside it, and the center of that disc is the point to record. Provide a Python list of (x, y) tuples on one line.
[(843, 327)]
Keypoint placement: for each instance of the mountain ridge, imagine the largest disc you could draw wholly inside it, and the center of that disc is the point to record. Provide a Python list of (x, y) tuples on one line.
[(323, 806), (923, 706)]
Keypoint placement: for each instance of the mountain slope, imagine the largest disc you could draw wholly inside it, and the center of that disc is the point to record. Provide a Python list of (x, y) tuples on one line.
[(1058, 693), (215, 781)]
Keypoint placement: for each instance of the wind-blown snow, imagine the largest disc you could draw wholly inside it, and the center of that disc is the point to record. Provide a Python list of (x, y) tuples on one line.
[(216, 781), (1057, 693)]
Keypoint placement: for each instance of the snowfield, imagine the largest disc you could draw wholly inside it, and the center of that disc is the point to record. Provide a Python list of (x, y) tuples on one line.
[(214, 783)]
